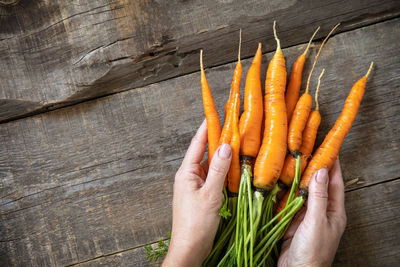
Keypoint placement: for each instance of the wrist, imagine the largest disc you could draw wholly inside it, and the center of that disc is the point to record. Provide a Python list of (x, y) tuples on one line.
[(182, 256)]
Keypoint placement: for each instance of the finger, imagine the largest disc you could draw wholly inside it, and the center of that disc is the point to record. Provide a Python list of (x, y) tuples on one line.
[(318, 195), (336, 189), (218, 169), (197, 146)]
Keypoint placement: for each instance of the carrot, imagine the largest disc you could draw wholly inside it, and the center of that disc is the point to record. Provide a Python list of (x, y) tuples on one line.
[(303, 108), (226, 133), (213, 123), (271, 156), (237, 75), (314, 120), (293, 88), (234, 170), (309, 135), (293, 204), (251, 119), (326, 154)]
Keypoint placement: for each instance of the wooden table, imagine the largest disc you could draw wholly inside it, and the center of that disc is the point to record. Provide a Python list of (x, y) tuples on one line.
[(100, 98)]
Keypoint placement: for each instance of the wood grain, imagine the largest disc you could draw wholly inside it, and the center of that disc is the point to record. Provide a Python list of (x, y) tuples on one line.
[(96, 178), (56, 53), (371, 237)]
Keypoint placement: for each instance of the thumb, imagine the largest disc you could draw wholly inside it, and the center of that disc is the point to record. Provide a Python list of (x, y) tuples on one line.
[(218, 169), (318, 195)]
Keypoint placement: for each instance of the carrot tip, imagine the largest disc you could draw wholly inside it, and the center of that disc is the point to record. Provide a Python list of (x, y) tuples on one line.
[(317, 56), (276, 37), (201, 60), (369, 70), (317, 90), (309, 42), (240, 43)]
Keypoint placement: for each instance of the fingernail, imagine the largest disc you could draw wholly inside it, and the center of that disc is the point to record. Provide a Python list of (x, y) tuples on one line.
[(322, 176), (225, 151)]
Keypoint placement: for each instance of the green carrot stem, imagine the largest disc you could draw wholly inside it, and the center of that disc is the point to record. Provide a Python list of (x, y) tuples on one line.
[(281, 230), (224, 212), (226, 256), (265, 227), (296, 180), (251, 220), (294, 206), (224, 237)]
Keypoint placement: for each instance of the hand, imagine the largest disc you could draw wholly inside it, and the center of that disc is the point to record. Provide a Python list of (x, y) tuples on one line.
[(196, 202), (313, 237)]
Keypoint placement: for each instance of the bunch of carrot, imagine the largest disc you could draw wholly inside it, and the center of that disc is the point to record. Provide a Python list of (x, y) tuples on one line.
[(272, 143)]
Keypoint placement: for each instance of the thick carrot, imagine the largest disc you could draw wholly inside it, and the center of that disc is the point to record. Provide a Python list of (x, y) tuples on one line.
[(234, 170), (309, 135), (213, 123), (302, 109), (293, 88), (251, 119), (237, 76), (272, 153), (327, 153)]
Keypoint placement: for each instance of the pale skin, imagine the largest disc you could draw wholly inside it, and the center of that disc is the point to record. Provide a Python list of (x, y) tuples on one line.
[(311, 240)]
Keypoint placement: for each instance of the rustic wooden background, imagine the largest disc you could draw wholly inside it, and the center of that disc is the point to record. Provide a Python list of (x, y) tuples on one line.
[(99, 100)]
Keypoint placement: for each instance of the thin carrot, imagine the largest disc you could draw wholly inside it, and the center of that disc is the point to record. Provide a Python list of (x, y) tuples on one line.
[(326, 154), (272, 153), (309, 135), (213, 123), (314, 120), (226, 133), (251, 119), (303, 108), (234, 170), (237, 75), (293, 88)]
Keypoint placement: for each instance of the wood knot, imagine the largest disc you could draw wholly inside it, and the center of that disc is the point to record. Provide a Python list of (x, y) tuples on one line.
[(9, 2)]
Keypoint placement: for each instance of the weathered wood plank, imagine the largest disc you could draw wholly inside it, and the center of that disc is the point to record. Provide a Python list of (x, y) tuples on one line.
[(371, 237), (54, 53), (96, 178)]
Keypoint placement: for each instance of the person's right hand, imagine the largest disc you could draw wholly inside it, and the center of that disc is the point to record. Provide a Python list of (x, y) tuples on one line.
[(314, 235)]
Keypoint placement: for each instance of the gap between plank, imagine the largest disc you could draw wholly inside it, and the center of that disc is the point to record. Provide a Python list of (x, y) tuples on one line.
[(59, 105)]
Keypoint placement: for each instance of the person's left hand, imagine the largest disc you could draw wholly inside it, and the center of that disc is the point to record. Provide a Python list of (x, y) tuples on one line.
[(196, 202)]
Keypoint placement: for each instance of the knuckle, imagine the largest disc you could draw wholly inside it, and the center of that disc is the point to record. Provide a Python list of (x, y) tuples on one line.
[(319, 194), (218, 169), (214, 200)]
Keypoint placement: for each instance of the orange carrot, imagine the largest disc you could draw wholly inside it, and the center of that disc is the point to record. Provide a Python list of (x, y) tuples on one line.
[(302, 109), (226, 133), (250, 121), (234, 170), (293, 88), (237, 75), (309, 135), (213, 123), (272, 153), (327, 153)]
